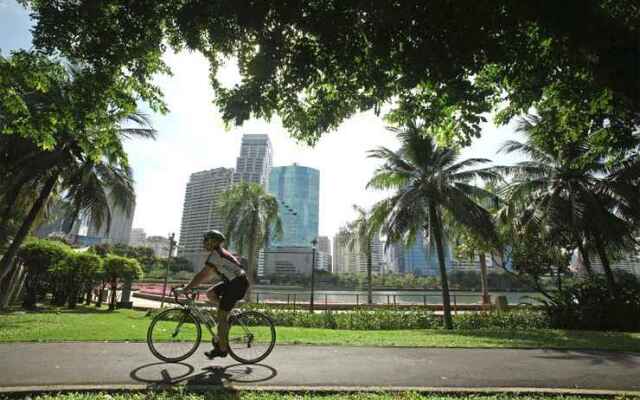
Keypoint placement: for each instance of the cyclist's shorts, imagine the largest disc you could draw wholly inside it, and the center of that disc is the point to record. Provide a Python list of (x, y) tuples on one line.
[(230, 292)]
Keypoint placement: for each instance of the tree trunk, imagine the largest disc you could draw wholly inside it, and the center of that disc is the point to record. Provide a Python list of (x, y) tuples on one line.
[(19, 287), (369, 280), (6, 262), (100, 294), (114, 288), (611, 283), (585, 259), (10, 288), (483, 279), (437, 233), (251, 269), (88, 294)]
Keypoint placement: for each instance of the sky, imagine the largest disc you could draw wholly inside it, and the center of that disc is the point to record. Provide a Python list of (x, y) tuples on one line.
[(192, 137)]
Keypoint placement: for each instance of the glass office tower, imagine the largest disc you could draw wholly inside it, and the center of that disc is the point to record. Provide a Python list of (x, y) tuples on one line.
[(297, 190)]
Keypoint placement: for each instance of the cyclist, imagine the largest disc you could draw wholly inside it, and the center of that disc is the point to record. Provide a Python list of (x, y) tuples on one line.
[(231, 286)]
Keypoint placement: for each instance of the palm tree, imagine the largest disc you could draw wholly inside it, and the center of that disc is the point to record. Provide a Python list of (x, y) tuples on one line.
[(430, 183), (359, 234), (87, 181), (250, 214), (573, 192)]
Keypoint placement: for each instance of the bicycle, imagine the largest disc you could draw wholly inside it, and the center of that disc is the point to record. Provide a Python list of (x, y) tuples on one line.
[(251, 334)]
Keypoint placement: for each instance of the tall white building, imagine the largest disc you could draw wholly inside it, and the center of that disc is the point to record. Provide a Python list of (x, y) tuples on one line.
[(120, 229), (159, 245), (137, 237), (324, 245), (352, 261), (256, 158), (201, 212)]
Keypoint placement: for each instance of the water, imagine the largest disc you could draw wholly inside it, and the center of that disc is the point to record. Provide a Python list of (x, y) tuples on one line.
[(384, 296)]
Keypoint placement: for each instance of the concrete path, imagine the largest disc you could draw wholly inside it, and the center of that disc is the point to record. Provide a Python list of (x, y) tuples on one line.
[(111, 365)]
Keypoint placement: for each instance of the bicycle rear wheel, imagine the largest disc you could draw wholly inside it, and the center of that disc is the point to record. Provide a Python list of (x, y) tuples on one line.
[(252, 337), (174, 335)]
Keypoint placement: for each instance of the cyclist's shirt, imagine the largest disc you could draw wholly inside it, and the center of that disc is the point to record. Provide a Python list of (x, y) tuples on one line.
[(225, 264)]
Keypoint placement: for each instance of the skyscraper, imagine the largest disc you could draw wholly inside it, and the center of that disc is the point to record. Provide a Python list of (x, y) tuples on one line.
[(255, 160), (421, 258), (120, 229), (200, 212), (137, 237), (297, 190), (324, 245), (352, 261)]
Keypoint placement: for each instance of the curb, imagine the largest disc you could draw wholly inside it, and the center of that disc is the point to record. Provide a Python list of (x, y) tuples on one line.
[(18, 390)]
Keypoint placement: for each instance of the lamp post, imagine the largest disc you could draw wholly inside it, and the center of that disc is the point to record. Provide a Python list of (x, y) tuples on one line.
[(172, 243), (314, 242)]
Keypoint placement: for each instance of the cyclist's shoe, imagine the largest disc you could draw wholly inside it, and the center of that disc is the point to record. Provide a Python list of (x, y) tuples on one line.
[(215, 352)]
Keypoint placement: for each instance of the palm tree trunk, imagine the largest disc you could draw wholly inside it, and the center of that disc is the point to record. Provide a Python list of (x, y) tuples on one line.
[(437, 233), (369, 280), (12, 284), (6, 262), (252, 268), (611, 283), (585, 258), (483, 279)]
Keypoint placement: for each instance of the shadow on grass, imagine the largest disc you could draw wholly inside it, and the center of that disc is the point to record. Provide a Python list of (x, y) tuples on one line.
[(555, 339), (162, 375)]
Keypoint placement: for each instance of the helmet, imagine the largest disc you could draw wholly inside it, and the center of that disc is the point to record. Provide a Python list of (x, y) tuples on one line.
[(214, 234)]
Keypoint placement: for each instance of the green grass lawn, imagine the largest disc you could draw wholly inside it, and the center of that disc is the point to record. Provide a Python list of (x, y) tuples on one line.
[(89, 324), (303, 396)]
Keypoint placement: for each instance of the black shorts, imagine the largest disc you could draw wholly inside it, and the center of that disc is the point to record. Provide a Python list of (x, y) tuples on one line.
[(229, 292)]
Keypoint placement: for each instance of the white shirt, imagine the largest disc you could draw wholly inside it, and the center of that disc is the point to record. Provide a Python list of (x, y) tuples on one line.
[(225, 264)]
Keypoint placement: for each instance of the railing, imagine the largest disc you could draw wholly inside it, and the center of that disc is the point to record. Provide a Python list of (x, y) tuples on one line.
[(358, 299)]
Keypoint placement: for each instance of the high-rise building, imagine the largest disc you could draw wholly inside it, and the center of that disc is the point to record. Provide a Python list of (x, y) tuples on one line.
[(201, 212), (288, 261), (137, 237), (297, 190), (255, 160), (159, 245), (420, 258), (394, 258), (354, 260), (323, 261), (119, 230), (324, 245)]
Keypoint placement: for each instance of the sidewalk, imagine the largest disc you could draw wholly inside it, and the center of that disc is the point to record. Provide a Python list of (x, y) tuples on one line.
[(78, 366)]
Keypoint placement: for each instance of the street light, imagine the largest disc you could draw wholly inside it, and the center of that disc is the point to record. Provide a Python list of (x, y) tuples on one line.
[(314, 242)]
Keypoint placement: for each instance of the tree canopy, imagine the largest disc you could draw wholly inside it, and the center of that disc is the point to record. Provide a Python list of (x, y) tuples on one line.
[(315, 63)]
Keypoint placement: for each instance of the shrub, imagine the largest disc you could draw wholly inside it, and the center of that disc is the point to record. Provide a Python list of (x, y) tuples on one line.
[(120, 269), (588, 304), (86, 272), (507, 320), (38, 256), (358, 319)]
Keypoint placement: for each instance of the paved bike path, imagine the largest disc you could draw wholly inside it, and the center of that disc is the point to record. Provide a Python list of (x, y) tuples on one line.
[(111, 365)]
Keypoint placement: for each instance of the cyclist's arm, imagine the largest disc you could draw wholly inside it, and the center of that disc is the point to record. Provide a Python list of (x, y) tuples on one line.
[(200, 277)]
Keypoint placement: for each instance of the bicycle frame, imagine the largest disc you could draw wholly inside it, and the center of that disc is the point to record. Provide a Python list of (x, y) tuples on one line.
[(203, 315)]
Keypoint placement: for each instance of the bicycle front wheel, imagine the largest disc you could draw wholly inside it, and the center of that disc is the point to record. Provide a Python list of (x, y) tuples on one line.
[(174, 335), (252, 337)]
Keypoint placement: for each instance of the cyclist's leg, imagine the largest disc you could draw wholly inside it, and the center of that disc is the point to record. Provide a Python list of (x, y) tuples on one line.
[(234, 291), (213, 295), (223, 329)]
